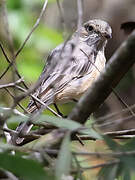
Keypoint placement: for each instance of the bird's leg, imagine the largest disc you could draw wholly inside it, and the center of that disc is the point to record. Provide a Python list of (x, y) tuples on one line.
[(58, 111)]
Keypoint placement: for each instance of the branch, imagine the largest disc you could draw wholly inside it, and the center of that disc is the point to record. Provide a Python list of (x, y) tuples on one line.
[(110, 116), (61, 16), (11, 84), (101, 165), (15, 111), (115, 69), (33, 29), (36, 99), (13, 97)]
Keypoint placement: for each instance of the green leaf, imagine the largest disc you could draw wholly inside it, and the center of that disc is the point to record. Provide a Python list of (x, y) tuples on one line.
[(24, 168), (17, 119), (68, 124), (128, 161), (47, 140), (130, 145), (91, 133), (112, 144), (58, 122), (6, 146), (63, 163), (45, 119), (108, 173), (126, 175)]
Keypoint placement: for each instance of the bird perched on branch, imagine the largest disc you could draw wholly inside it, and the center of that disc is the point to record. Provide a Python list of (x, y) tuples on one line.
[(72, 67)]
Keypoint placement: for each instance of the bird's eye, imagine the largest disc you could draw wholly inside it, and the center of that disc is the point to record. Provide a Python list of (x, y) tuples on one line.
[(89, 28)]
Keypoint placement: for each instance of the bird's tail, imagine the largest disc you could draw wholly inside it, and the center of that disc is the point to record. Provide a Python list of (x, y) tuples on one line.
[(22, 129), (25, 127)]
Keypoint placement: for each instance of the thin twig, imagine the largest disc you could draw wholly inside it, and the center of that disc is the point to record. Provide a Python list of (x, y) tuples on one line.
[(33, 29), (3, 74), (89, 138), (123, 102), (25, 110), (125, 110), (120, 133), (5, 55), (10, 65), (101, 165), (115, 122), (15, 111), (107, 154), (39, 101), (80, 14), (61, 15), (11, 84)]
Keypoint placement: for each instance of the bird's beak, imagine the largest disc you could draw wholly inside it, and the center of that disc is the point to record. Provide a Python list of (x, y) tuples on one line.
[(107, 35)]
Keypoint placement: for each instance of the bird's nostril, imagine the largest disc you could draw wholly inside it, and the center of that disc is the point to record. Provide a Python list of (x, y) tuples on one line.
[(107, 36)]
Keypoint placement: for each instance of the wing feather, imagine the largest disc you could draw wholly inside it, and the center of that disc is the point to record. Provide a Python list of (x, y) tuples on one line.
[(61, 69)]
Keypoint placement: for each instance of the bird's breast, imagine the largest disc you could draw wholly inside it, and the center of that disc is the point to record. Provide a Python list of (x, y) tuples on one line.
[(77, 87)]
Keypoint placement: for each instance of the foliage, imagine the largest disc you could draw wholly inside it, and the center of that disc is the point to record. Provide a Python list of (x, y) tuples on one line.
[(29, 159)]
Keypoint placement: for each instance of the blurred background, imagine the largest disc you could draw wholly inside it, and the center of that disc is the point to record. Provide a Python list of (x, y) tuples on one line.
[(16, 21)]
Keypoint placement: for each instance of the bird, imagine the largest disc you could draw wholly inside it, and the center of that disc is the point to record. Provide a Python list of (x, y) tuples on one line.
[(73, 66)]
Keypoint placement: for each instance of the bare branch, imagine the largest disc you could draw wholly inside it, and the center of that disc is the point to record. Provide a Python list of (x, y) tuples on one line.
[(5, 55), (61, 15), (80, 14), (120, 133), (11, 84), (15, 111), (3, 74), (105, 154), (123, 102), (115, 122), (25, 110), (109, 116), (38, 100), (33, 29), (101, 165)]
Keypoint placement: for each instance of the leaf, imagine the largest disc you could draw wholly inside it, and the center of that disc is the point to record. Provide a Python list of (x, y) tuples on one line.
[(91, 133), (126, 175), (130, 145), (128, 161), (47, 140), (58, 122), (63, 162), (6, 146), (109, 172), (24, 168), (17, 119), (112, 144)]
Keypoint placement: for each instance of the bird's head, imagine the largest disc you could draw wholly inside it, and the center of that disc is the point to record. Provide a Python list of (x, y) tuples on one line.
[(96, 32)]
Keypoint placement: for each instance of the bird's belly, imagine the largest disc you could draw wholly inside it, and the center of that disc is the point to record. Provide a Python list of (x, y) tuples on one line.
[(76, 88)]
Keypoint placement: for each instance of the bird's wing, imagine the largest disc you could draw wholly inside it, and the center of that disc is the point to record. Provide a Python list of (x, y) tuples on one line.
[(61, 68)]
